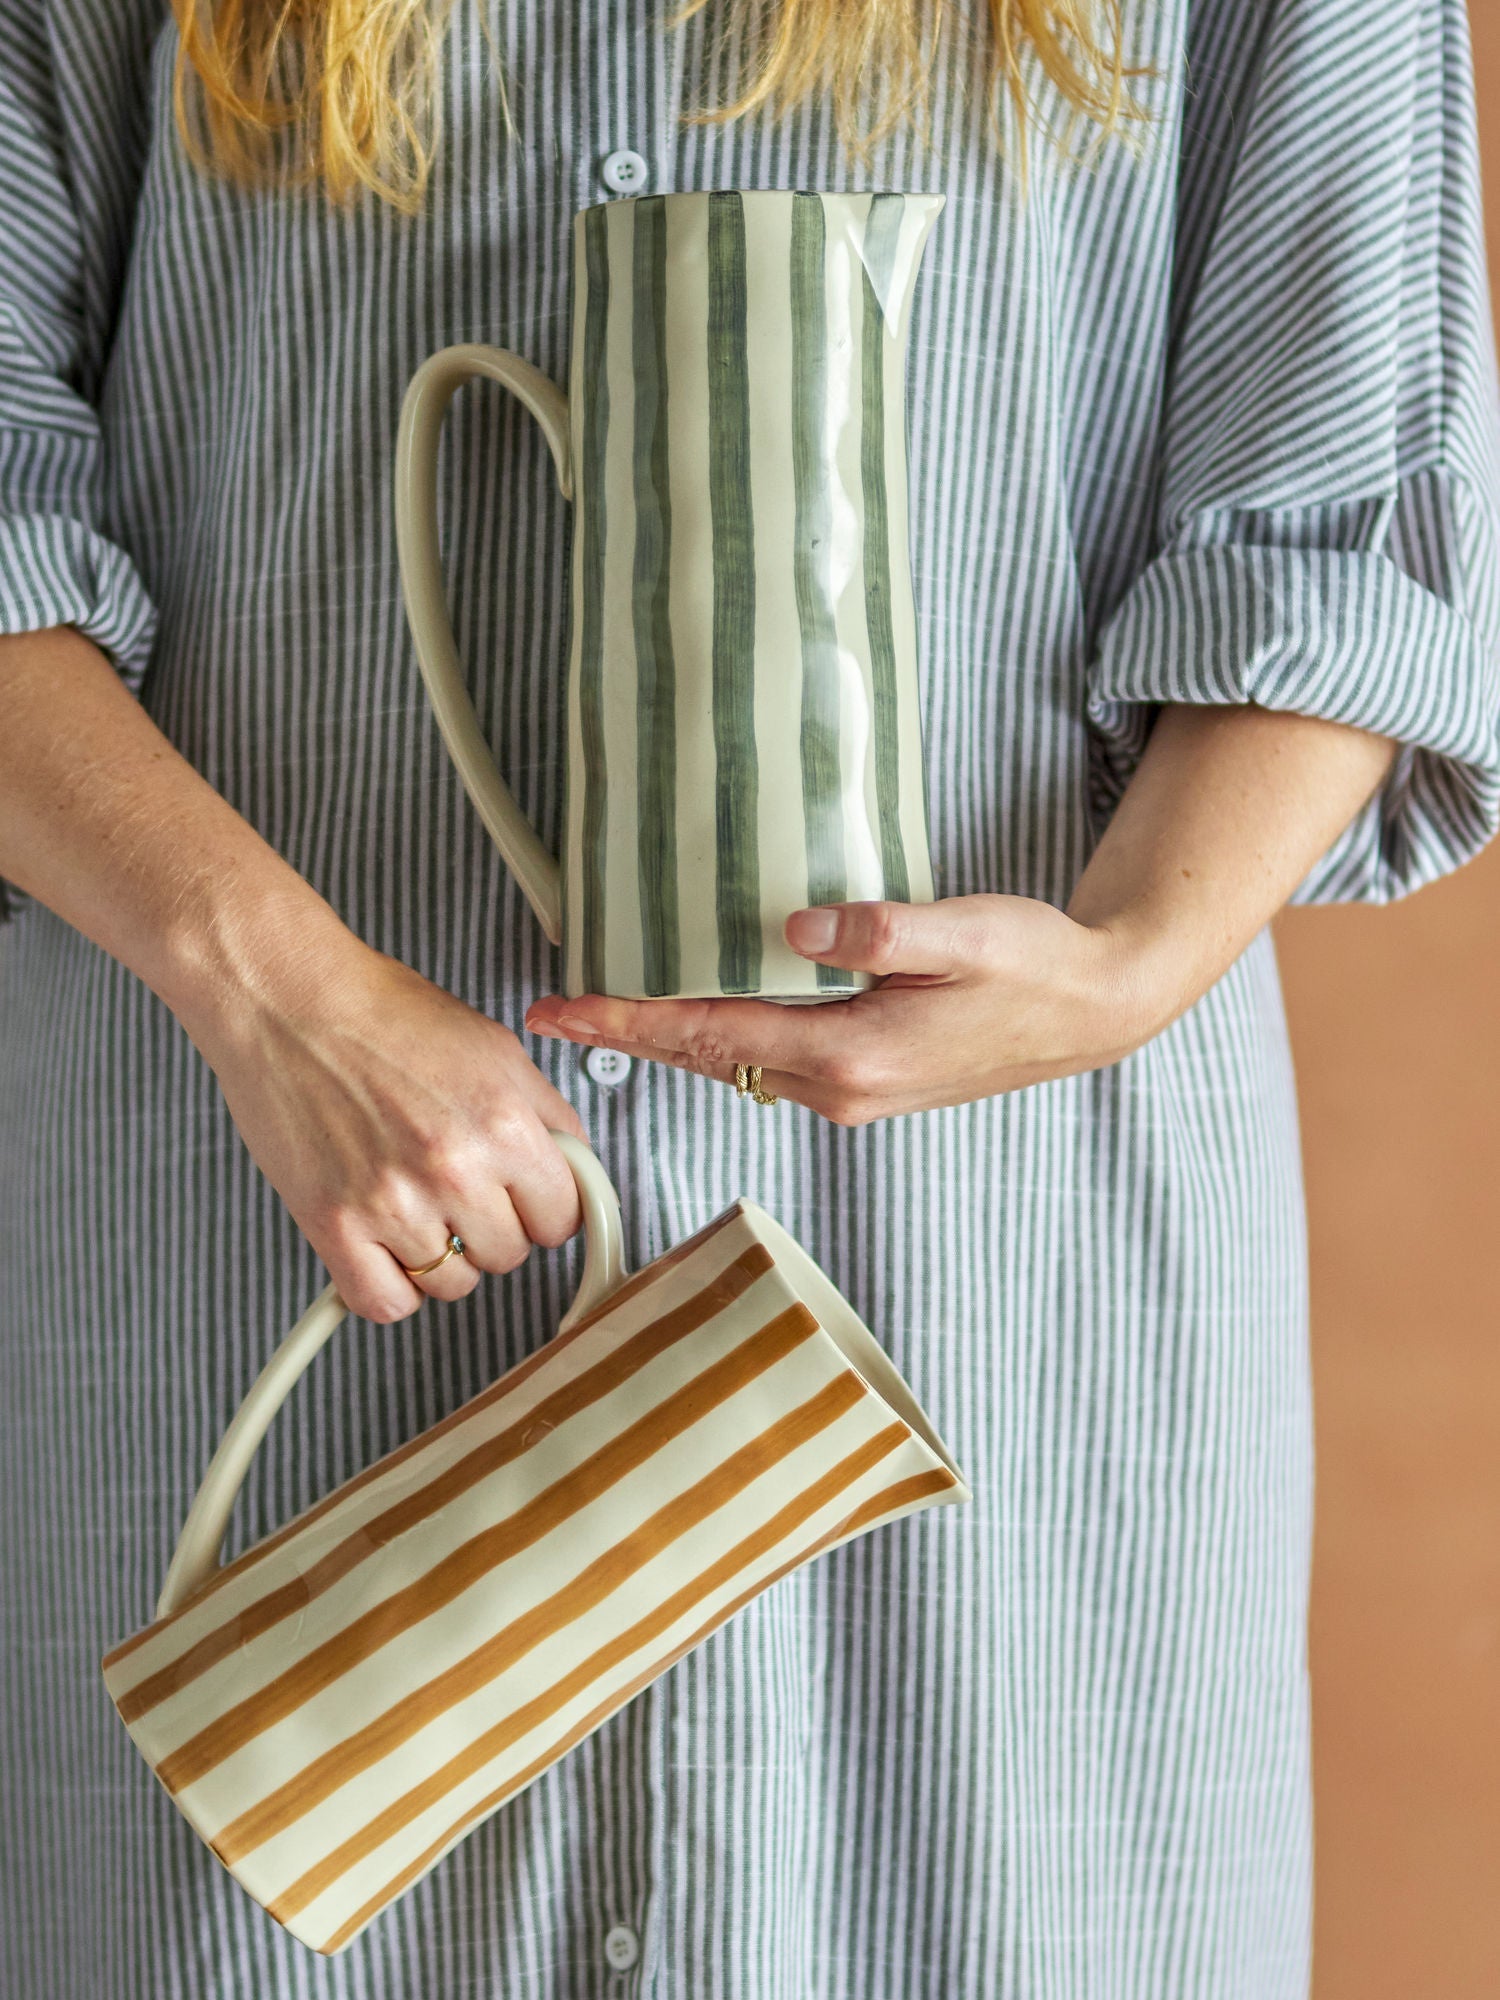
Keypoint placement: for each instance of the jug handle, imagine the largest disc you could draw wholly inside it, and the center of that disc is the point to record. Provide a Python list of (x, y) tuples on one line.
[(196, 1557), (426, 402)]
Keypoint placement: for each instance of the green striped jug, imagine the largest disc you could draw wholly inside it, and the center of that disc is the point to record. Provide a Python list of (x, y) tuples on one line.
[(743, 714)]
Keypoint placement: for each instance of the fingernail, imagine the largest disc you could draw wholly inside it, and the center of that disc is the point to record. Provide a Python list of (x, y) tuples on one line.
[(812, 930), (545, 1028), (572, 1025)]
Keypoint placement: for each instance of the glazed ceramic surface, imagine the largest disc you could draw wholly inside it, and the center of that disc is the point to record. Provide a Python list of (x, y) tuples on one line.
[(341, 1705), (744, 731)]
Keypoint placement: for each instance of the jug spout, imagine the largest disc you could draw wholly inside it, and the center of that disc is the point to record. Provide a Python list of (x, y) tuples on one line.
[(889, 241)]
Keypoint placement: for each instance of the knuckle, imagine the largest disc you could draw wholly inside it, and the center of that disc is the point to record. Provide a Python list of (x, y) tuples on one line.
[(505, 1141), (710, 1052), (340, 1231), (851, 1070), (556, 1225), (978, 944), (380, 1303), (511, 1133), (885, 929), (847, 1108), (453, 1279), (864, 1063), (327, 1226), (841, 1069), (512, 1254), (877, 1074), (444, 1161), (390, 1196)]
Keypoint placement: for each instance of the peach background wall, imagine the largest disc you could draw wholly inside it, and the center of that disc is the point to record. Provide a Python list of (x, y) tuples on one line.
[(1396, 1029)]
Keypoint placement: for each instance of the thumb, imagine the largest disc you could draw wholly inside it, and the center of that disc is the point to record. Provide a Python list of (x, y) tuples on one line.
[(878, 937)]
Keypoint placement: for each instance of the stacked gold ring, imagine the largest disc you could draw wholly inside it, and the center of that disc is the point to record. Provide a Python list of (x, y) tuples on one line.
[(747, 1083), (455, 1248)]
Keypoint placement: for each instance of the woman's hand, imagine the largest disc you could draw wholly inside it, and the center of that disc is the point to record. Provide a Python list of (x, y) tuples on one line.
[(1226, 812), (388, 1114), (978, 995)]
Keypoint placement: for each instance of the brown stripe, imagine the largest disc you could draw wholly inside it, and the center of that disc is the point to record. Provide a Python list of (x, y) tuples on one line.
[(903, 1495), (575, 1600), (371, 1535), (495, 1741), (460, 1570), (881, 1506), (510, 1380), (652, 1271)]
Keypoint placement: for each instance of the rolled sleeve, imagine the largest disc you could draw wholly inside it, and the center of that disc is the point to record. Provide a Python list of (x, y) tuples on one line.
[(1345, 634), (56, 570), (1329, 522)]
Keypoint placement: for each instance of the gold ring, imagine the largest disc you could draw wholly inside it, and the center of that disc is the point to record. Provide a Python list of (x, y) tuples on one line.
[(455, 1249), (747, 1083)]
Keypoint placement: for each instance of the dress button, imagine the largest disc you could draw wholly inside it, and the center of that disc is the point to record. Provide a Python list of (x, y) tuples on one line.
[(607, 1066), (624, 172), (621, 1946)]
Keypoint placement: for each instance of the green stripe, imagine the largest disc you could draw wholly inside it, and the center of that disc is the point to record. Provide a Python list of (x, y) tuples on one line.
[(737, 885), (881, 234), (656, 699), (591, 646), (812, 569)]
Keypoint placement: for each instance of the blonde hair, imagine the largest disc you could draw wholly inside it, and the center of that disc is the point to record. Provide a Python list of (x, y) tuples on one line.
[(344, 92)]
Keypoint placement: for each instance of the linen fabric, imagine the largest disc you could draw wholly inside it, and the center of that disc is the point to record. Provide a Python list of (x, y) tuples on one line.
[(1213, 420)]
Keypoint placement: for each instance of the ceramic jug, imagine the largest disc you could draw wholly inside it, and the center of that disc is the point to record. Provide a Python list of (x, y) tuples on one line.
[(338, 1707), (743, 732)]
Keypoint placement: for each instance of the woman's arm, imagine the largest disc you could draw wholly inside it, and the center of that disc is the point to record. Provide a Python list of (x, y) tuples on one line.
[(1225, 814), (384, 1111)]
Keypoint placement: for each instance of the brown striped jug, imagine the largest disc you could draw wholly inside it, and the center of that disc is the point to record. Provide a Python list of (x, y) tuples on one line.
[(335, 1709), (743, 725)]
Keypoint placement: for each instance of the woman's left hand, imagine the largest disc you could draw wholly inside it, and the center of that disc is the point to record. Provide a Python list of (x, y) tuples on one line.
[(977, 995)]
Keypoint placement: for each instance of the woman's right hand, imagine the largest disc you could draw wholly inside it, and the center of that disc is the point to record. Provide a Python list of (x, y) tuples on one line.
[(388, 1114)]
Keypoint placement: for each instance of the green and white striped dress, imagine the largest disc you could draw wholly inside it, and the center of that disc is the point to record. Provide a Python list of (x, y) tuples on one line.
[(1215, 422)]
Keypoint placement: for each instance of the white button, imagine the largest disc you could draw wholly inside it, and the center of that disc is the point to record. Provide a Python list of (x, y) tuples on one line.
[(624, 172), (607, 1066), (621, 1946)]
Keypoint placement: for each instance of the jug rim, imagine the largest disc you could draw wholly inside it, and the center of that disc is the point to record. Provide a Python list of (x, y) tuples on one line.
[(847, 1330), (934, 195)]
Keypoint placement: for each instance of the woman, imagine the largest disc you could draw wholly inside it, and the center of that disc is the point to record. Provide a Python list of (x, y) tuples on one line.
[(1204, 529)]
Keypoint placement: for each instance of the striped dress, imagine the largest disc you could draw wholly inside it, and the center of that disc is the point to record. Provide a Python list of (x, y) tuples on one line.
[(1213, 420)]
